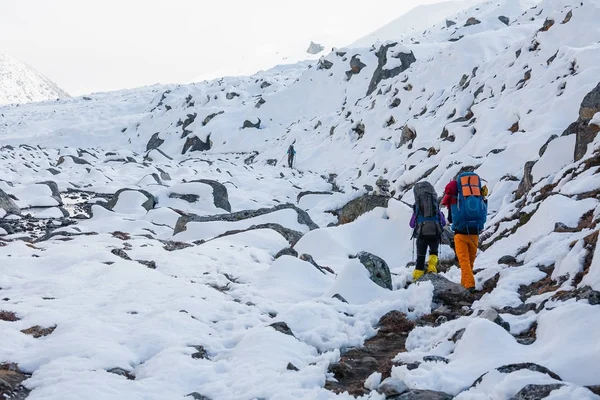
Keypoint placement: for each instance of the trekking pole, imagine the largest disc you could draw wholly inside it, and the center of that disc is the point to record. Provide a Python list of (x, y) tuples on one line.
[(281, 159), (413, 251)]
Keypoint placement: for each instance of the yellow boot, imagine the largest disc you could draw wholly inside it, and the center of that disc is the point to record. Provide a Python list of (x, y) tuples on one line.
[(432, 264), (417, 273)]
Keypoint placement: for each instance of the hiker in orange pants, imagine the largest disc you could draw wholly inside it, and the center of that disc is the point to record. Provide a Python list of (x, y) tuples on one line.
[(466, 251)]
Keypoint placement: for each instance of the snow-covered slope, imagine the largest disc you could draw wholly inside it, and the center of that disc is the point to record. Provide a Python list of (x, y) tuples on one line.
[(20, 83), (155, 254)]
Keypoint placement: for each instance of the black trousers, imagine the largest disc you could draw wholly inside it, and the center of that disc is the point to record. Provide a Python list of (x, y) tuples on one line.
[(423, 243), (290, 161)]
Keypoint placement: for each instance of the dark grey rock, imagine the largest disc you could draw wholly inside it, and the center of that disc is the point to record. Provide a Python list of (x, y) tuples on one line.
[(148, 204), (406, 60), (545, 146), (288, 251), (76, 160), (324, 64), (436, 359), (395, 103), (584, 131), (265, 85), (315, 48), (209, 118), (309, 259), (149, 264), (54, 189), (292, 367), (378, 269), (359, 206), (308, 192), (290, 235), (527, 182), (260, 102), (504, 20), (340, 298), (492, 315), (122, 372), (220, 194), (445, 291), (231, 95), (249, 124), (200, 353), (198, 396), (7, 204), (356, 65), (194, 143), (154, 143), (188, 121), (53, 171), (190, 198), (472, 21), (509, 369), (408, 135), (391, 387), (424, 395), (283, 328), (536, 392), (121, 253), (303, 217), (450, 23), (508, 260)]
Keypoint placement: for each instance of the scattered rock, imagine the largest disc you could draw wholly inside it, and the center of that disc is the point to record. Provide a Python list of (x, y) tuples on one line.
[(508, 260), (309, 192), (324, 64), (194, 143), (260, 102), (283, 328), (568, 17), (172, 246), (220, 194), (424, 395), (198, 396), (536, 392), (265, 85), (38, 332), (340, 298), (231, 95), (450, 23), (154, 143), (472, 21), (545, 146), (378, 269), (355, 67), (148, 204), (209, 117), (406, 60), (121, 235), (408, 135), (582, 293), (249, 124), (447, 292), (504, 20), (436, 359), (7, 204), (288, 251), (292, 367), (11, 378), (122, 372), (76, 160), (391, 387), (586, 132), (548, 23), (527, 182), (395, 103), (492, 315), (315, 48), (303, 217), (120, 253), (8, 316), (149, 264), (359, 206), (309, 259), (200, 353)]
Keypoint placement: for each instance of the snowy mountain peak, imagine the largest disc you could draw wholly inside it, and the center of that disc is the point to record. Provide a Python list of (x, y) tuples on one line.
[(20, 83)]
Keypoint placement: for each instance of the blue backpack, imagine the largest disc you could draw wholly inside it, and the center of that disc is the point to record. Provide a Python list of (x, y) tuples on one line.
[(469, 214)]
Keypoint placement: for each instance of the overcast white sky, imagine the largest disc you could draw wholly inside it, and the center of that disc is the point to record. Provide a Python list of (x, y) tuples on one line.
[(91, 45)]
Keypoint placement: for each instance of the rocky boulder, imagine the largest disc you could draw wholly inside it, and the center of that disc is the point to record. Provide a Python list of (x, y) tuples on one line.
[(11, 378), (54, 190), (194, 143), (148, 204), (447, 292), (220, 195), (472, 21), (406, 59), (356, 65), (154, 143), (408, 135), (585, 131), (535, 392), (359, 206), (7, 204), (504, 20), (249, 124), (527, 181), (288, 251), (378, 269)]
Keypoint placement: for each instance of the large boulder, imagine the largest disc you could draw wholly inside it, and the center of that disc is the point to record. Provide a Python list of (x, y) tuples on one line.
[(7, 204), (527, 182), (535, 392), (378, 269), (359, 206), (356, 65), (472, 21), (148, 204), (447, 292), (220, 196), (54, 189), (249, 124), (154, 142), (194, 143), (406, 59), (584, 130)]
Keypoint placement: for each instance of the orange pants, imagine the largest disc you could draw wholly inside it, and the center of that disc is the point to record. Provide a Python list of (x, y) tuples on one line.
[(466, 251)]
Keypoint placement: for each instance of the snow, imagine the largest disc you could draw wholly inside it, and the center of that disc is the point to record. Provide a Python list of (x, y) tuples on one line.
[(222, 292)]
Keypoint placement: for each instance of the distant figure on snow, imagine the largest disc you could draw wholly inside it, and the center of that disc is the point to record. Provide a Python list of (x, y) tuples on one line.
[(466, 200), (427, 222), (291, 152)]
